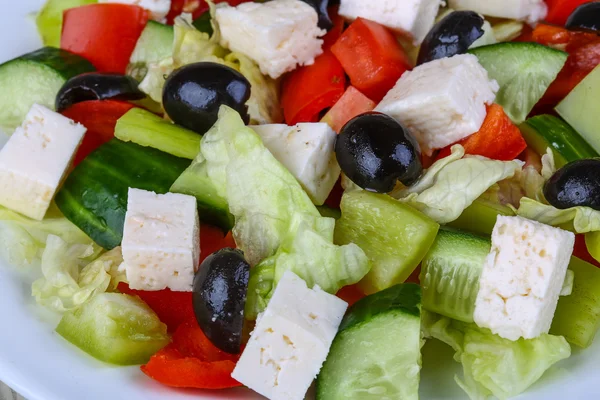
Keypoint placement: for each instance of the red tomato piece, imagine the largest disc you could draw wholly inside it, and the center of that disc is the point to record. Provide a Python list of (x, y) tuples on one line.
[(351, 104), (191, 341), (194, 7), (559, 10), (372, 57), (212, 239), (498, 138), (104, 34), (580, 250), (350, 294), (335, 196), (100, 118)]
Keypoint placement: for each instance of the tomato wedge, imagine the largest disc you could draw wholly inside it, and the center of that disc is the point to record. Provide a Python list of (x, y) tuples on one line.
[(559, 10), (351, 104)]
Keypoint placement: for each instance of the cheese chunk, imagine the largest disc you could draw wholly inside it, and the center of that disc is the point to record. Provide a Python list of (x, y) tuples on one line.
[(307, 151), (278, 35), (290, 341), (158, 9), (442, 101), (35, 159), (522, 278), (414, 17), (161, 241), (531, 11)]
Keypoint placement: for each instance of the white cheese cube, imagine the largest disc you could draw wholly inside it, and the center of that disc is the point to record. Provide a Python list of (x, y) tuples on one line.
[(35, 159), (524, 10), (158, 9), (442, 101), (290, 341), (278, 35), (161, 241), (414, 17), (307, 151), (522, 278)]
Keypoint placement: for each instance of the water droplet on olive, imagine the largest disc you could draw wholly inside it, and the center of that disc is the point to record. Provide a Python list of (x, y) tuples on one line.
[(452, 35), (374, 151), (97, 86), (219, 297), (575, 184), (585, 17), (194, 93)]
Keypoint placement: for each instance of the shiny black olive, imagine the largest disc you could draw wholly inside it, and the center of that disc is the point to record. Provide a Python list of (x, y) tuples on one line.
[(193, 94), (585, 17), (575, 184), (97, 86), (219, 297), (320, 7), (451, 36), (375, 151)]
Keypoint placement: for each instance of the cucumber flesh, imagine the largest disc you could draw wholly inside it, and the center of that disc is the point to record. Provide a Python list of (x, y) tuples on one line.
[(577, 316), (450, 273), (378, 354), (154, 44), (35, 78), (543, 131), (480, 217), (580, 108), (523, 70), (394, 236), (149, 130), (49, 19), (115, 328)]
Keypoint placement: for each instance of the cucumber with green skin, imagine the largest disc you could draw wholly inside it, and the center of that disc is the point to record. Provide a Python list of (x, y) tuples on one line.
[(154, 45), (94, 196), (35, 77), (547, 131), (377, 351)]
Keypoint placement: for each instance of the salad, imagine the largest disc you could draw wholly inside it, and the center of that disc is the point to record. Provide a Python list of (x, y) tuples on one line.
[(274, 193)]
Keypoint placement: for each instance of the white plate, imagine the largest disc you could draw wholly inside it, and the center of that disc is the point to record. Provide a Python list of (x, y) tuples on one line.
[(40, 365)]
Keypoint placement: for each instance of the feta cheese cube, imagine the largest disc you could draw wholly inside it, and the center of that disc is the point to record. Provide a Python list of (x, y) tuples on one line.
[(307, 151), (522, 278), (442, 101), (35, 159), (531, 11), (278, 35), (161, 241), (291, 340), (414, 17), (158, 9)]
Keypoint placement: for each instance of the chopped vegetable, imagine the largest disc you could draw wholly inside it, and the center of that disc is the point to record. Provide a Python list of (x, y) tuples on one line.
[(49, 19), (559, 10), (577, 219), (351, 104)]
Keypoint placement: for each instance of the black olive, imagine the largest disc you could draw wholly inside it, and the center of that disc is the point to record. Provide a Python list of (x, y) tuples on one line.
[(451, 36), (320, 7), (219, 297), (97, 86), (374, 151), (585, 17), (193, 94), (575, 184)]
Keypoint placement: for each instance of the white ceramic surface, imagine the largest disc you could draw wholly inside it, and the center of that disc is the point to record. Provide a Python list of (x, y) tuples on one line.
[(40, 365)]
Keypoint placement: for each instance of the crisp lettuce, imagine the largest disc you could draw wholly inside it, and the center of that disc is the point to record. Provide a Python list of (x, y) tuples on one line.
[(493, 365), (577, 219), (65, 285), (451, 184)]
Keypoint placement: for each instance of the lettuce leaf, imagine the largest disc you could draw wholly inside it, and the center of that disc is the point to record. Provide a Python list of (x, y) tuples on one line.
[(492, 365), (64, 285), (451, 184), (577, 219)]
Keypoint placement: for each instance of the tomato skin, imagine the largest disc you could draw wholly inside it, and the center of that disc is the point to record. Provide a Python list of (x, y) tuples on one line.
[(351, 104), (100, 118), (105, 34), (350, 294), (372, 57), (559, 10), (195, 7)]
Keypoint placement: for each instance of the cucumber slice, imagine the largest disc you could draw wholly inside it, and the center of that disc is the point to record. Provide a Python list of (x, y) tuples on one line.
[(450, 273), (35, 78), (567, 145), (94, 196), (394, 236), (577, 316), (580, 108), (50, 18), (115, 328), (149, 130), (480, 217), (523, 70), (155, 44), (377, 352)]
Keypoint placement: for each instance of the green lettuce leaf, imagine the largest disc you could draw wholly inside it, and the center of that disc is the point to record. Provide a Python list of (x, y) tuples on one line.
[(64, 285), (493, 365), (576, 219), (451, 184)]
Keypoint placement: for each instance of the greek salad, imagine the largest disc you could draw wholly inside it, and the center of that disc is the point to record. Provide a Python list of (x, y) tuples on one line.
[(272, 194)]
